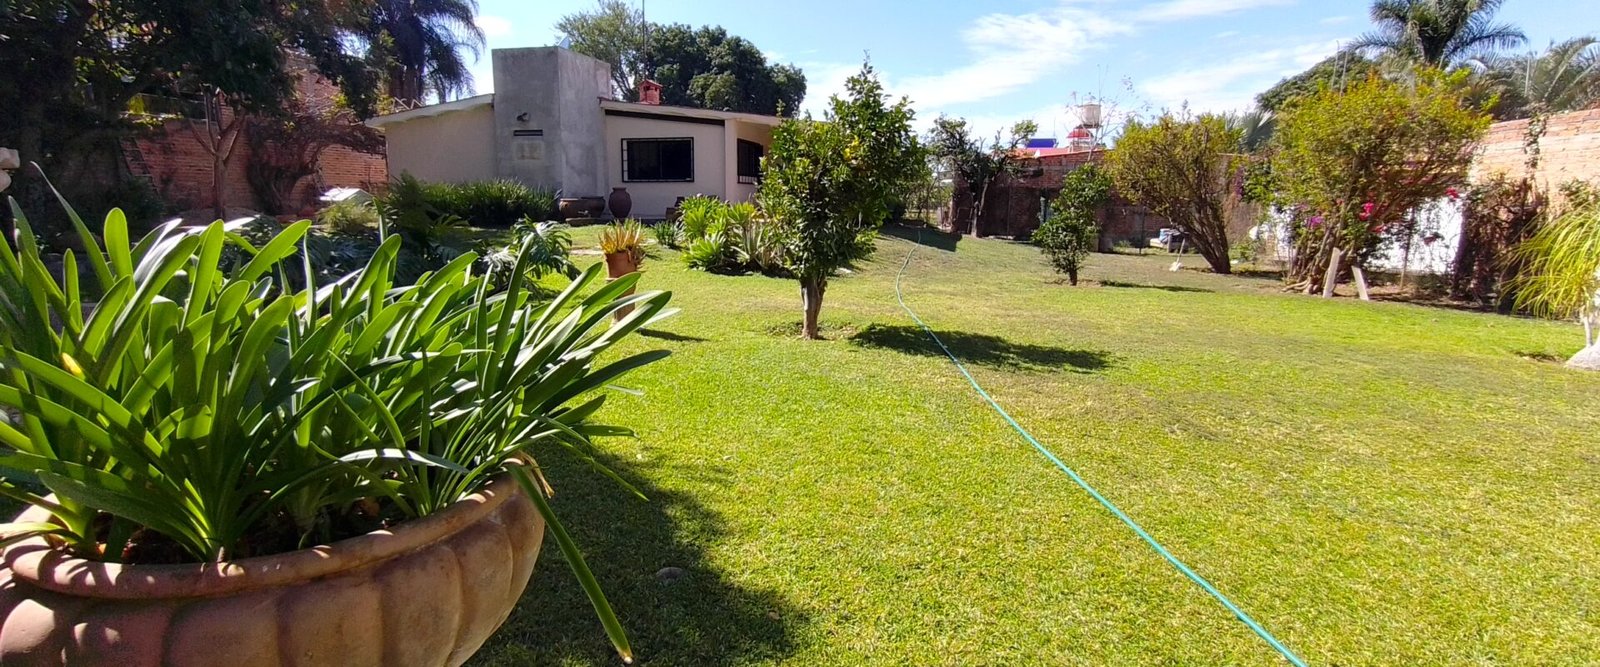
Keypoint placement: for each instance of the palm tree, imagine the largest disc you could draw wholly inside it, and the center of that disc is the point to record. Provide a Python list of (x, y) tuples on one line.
[(1564, 78), (1440, 33), (420, 45)]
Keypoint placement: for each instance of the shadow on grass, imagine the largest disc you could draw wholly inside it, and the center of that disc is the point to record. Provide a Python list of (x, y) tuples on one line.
[(927, 236), (692, 614), (668, 335), (1164, 288), (983, 349)]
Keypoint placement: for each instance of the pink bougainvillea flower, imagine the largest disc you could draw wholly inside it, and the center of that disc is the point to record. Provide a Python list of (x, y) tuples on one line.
[(1378, 229), (1314, 221), (1453, 193), (1366, 210)]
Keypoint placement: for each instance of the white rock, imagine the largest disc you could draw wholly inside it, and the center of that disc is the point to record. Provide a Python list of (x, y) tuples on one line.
[(9, 159), (1587, 359), (5, 181)]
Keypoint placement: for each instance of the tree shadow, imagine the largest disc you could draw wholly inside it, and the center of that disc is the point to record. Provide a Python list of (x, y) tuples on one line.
[(1164, 288), (674, 337), (983, 349), (927, 236), (649, 557)]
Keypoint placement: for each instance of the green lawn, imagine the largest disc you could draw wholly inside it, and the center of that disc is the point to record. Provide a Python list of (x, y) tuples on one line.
[(1377, 483)]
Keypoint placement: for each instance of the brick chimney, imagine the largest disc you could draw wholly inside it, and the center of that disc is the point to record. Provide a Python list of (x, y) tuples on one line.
[(649, 92)]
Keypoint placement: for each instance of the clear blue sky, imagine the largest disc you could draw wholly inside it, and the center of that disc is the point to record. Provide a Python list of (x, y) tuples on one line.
[(997, 61)]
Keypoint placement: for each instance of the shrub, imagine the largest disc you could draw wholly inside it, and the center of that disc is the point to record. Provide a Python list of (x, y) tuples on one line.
[(1068, 236), (709, 253), (668, 233), (1184, 168), (499, 203), (697, 213), (349, 217), (1357, 163), (549, 250)]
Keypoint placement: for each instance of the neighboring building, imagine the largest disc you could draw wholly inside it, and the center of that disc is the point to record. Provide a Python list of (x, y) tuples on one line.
[(1013, 206), (552, 123)]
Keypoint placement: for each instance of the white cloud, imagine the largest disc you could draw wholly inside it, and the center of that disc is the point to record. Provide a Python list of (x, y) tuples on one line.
[(492, 26), (1232, 84), (1178, 10), (1013, 51), (1334, 20)]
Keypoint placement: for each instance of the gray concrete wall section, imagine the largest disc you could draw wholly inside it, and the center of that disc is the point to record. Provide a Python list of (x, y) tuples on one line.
[(584, 81), (547, 117)]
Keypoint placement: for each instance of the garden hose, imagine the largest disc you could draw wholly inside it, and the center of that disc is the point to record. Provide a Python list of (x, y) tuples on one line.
[(1076, 478)]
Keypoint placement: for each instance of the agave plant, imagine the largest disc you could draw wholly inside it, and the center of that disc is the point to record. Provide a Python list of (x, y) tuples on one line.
[(626, 238), (668, 233), (194, 407)]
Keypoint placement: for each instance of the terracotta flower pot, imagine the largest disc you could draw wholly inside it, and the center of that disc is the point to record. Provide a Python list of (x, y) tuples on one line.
[(621, 203), (427, 593), (570, 207), (619, 264)]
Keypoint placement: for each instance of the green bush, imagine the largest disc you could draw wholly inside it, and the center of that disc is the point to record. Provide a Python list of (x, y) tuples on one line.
[(501, 203), (349, 217), (668, 233), (728, 238), (1068, 236)]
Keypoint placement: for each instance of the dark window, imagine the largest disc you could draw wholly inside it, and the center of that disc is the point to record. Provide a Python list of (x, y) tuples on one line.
[(658, 160), (750, 154)]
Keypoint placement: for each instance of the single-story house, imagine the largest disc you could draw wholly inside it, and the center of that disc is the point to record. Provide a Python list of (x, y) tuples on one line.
[(554, 123)]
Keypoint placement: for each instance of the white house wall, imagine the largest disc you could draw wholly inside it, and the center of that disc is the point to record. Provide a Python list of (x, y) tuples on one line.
[(651, 200), (455, 147)]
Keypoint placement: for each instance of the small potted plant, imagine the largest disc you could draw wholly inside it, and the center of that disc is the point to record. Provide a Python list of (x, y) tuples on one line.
[(219, 469), (623, 245)]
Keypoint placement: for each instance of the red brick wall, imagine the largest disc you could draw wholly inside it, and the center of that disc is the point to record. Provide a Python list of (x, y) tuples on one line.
[(1569, 150), (1012, 208), (176, 161)]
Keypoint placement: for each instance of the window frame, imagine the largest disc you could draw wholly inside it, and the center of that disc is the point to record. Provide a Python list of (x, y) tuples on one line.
[(627, 178), (761, 152)]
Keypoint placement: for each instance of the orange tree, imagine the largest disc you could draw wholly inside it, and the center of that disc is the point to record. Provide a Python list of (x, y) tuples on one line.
[(1185, 169), (1352, 166), (830, 183)]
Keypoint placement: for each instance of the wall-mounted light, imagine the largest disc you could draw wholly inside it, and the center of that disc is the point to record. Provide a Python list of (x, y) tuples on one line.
[(522, 117)]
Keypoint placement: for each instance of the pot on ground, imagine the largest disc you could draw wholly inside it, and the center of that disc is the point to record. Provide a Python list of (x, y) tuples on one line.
[(429, 592), (621, 203), (570, 207)]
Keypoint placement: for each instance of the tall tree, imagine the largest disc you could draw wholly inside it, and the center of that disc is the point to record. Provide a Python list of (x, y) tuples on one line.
[(1338, 70), (1566, 77), (614, 32), (1186, 169), (69, 68), (831, 183), (1438, 33), (420, 46), (978, 167), (1355, 165), (701, 67)]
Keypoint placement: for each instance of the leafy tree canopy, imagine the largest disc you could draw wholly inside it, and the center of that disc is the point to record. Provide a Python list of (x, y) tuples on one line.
[(1356, 163), (1186, 169), (1336, 71), (701, 67), (832, 182)]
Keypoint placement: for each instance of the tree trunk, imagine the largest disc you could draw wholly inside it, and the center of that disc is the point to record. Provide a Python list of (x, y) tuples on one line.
[(1072, 277), (977, 209), (811, 290)]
